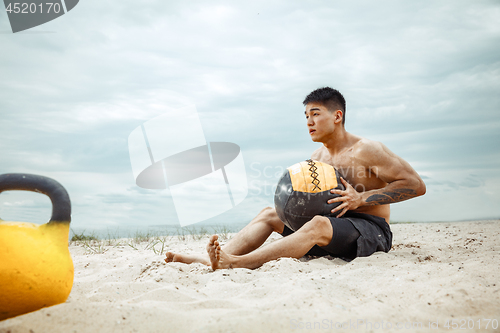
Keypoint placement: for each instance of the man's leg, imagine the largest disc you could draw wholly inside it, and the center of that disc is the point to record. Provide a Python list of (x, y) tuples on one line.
[(254, 234), (246, 240), (318, 231)]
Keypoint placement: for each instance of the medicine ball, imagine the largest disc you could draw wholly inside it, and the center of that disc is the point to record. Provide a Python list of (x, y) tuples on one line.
[(303, 192)]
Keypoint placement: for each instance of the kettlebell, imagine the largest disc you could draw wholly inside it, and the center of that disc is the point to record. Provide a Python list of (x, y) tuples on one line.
[(36, 269)]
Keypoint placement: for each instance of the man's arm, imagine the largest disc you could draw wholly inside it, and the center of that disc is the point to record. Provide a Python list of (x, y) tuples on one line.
[(402, 180)]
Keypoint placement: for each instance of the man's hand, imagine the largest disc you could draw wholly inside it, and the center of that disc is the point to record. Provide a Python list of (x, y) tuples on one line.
[(350, 198)]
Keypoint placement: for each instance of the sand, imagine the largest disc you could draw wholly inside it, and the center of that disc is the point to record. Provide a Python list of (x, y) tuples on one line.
[(436, 274)]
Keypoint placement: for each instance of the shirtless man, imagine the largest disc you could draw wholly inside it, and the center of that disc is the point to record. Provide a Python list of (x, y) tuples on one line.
[(374, 177)]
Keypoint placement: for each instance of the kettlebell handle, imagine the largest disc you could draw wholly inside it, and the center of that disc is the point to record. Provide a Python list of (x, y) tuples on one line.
[(61, 205)]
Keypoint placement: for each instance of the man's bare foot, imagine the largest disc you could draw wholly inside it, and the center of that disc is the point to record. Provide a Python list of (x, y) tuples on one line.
[(187, 259), (218, 258)]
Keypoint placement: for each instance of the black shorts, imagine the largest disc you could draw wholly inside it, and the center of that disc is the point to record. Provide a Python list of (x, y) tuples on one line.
[(354, 235)]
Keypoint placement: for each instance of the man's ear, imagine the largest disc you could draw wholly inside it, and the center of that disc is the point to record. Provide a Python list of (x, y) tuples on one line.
[(338, 116)]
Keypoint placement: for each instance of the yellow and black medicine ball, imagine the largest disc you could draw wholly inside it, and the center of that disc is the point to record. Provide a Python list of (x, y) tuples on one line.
[(303, 192)]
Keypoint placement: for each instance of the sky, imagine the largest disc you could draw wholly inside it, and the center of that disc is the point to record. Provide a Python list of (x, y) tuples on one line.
[(421, 77)]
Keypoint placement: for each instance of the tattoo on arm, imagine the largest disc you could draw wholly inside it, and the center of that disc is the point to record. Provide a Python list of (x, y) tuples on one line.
[(391, 197)]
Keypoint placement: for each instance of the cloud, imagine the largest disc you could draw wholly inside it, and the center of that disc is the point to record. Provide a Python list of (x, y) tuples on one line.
[(423, 79)]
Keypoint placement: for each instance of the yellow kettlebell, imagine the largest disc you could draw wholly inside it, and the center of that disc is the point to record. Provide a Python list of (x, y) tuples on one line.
[(36, 269)]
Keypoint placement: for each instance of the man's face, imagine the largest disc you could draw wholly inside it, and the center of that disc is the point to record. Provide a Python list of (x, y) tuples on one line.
[(320, 122)]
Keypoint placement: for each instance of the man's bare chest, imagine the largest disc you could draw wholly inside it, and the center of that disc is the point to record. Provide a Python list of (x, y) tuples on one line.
[(358, 175)]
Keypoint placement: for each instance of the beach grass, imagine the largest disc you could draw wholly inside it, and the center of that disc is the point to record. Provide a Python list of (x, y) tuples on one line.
[(82, 237), (156, 241)]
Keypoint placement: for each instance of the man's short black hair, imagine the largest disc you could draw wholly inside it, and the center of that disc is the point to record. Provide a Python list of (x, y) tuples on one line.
[(332, 99)]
